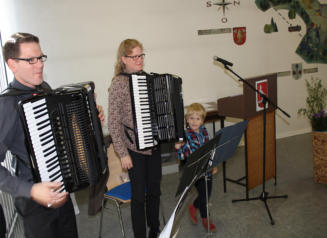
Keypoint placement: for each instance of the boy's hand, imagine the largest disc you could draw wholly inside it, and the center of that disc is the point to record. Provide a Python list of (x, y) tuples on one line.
[(179, 145), (214, 170)]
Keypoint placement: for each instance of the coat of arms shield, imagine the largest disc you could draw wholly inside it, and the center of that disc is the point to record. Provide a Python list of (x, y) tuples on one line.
[(239, 35)]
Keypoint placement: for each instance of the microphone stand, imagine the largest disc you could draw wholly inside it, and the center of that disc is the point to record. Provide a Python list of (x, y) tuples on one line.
[(264, 195)]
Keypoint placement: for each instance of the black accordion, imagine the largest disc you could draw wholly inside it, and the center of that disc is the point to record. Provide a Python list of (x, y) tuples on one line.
[(158, 110), (64, 136)]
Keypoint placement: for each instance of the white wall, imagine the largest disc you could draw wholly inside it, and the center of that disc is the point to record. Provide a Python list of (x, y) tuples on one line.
[(81, 37)]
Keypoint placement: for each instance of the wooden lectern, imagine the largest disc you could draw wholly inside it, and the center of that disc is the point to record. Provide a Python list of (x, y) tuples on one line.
[(247, 107)]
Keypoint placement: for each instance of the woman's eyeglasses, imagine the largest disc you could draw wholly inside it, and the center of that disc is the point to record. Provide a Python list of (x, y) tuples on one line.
[(136, 57)]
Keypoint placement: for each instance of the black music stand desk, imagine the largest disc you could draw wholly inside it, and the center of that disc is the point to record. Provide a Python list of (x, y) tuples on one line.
[(229, 140), (217, 150)]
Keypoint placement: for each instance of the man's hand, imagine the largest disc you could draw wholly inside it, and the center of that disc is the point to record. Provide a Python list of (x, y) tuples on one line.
[(126, 162), (101, 114), (46, 194)]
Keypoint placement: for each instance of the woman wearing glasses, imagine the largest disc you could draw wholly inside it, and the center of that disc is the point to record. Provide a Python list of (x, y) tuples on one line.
[(144, 167)]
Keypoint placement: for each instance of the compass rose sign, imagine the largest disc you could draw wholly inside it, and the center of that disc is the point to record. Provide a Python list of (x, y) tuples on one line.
[(223, 5)]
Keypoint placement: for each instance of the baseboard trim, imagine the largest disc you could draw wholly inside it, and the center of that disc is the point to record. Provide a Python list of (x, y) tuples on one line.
[(293, 133)]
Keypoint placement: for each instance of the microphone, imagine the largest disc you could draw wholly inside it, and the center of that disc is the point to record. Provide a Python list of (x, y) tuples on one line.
[(224, 62)]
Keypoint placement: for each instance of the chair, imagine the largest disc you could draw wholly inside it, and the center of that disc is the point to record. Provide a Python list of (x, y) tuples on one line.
[(119, 195), (118, 185), (119, 188)]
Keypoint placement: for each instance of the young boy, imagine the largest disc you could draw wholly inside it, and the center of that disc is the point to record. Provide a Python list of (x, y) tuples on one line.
[(196, 136)]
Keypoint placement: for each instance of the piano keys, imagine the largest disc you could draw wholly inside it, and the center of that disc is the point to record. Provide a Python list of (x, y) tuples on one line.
[(158, 109), (142, 111), (38, 121)]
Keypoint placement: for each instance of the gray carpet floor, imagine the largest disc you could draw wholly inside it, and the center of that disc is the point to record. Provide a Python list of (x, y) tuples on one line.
[(302, 214)]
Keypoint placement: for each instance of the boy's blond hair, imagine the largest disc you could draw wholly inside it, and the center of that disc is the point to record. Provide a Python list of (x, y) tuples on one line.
[(196, 108)]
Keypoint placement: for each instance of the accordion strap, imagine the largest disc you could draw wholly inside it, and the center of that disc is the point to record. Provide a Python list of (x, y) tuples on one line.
[(126, 133), (138, 73), (14, 92), (10, 91)]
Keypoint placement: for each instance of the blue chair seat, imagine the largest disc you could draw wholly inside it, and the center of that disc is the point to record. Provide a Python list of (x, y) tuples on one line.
[(121, 192), (119, 195)]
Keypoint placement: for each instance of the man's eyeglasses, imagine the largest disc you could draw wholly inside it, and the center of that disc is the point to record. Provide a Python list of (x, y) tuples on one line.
[(136, 57), (33, 60)]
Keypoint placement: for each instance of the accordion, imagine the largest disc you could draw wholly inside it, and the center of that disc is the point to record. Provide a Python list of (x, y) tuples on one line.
[(64, 136), (158, 109)]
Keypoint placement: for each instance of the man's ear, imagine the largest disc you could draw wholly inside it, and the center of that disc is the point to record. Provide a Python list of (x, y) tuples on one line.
[(11, 64)]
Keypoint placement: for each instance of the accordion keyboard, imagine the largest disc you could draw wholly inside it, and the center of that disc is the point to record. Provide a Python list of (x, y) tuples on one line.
[(38, 122), (142, 111)]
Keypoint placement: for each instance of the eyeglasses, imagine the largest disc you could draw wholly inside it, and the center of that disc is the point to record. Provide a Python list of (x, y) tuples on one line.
[(33, 60), (136, 57)]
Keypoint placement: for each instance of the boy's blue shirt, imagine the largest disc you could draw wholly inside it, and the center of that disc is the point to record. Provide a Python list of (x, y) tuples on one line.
[(193, 141)]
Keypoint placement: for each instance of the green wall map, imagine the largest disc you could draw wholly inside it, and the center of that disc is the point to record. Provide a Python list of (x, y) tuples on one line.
[(313, 46)]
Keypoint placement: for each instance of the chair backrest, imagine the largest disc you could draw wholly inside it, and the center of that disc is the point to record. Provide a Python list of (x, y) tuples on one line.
[(117, 175)]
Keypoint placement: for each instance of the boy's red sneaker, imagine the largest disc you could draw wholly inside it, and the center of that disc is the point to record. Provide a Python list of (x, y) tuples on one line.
[(205, 225), (192, 212)]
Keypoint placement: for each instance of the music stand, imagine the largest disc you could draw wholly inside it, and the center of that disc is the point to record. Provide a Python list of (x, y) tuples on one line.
[(230, 137), (229, 140), (195, 166), (264, 195), (171, 228), (198, 164)]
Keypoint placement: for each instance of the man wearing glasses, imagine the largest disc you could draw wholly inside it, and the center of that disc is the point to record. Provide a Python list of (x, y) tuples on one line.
[(45, 211)]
